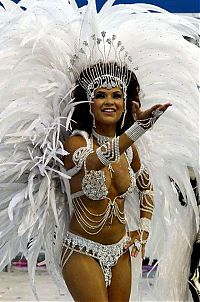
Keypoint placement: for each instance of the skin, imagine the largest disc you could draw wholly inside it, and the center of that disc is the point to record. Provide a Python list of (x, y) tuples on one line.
[(83, 274)]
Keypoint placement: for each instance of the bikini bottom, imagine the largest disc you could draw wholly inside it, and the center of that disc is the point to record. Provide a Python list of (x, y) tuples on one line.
[(107, 255)]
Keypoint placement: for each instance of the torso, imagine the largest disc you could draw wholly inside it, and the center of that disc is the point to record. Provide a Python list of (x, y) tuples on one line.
[(117, 184)]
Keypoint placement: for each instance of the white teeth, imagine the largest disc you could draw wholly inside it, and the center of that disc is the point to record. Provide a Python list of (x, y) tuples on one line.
[(109, 110)]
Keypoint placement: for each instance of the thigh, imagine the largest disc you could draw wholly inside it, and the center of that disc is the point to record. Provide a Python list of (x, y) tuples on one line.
[(84, 279), (120, 288)]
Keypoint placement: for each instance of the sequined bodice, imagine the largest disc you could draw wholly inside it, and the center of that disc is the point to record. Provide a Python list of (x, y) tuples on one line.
[(94, 182), (94, 186)]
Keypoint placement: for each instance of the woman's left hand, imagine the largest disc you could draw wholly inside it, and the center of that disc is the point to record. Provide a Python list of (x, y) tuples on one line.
[(136, 244), (140, 114)]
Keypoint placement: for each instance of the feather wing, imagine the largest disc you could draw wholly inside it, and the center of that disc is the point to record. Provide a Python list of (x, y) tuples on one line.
[(35, 114)]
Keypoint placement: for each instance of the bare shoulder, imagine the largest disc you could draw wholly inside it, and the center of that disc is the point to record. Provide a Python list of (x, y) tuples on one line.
[(136, 163), (71, 144)]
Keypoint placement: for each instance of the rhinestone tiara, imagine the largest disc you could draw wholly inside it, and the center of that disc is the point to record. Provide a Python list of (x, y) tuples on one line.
[(101, 62)]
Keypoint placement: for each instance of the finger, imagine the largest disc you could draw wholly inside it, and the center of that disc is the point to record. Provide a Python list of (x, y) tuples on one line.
[(160, 107), (136, 105), (134, 252), (130, 241), (133, 235), (136, 108), (155, 107), (143, 251), (165, 106)]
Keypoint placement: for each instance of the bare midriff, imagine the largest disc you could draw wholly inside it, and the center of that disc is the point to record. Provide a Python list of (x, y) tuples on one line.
[(110, 233), (113, 231)]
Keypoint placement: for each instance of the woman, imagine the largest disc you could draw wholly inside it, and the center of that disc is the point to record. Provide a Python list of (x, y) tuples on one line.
[(50, 54), (98, 190)]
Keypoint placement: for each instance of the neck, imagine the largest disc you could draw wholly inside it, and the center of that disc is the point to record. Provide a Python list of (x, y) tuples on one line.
[(106, 130)]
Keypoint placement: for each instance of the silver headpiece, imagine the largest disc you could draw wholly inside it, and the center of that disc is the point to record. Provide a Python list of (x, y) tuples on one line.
[(102, 62)]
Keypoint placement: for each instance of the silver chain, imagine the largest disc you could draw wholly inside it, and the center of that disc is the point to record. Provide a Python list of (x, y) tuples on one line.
[(81, 212)]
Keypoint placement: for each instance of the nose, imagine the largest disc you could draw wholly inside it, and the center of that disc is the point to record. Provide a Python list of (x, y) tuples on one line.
[(109, 100)]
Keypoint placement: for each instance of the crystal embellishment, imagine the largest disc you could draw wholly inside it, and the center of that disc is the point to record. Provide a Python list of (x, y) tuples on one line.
[(107, 255), (93, 185)]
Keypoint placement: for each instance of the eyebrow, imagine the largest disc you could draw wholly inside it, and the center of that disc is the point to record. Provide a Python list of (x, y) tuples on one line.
[(104, 92), (117, 91), (100, 91)]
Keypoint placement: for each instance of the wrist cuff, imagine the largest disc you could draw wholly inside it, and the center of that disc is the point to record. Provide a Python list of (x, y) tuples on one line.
[(145, 224)]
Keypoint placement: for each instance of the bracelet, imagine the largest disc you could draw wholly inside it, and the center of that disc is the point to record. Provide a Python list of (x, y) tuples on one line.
[(141, 126), (145, 225), (135, 131)]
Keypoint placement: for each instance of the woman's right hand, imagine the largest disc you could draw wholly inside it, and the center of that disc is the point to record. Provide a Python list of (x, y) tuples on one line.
[(134, 239)]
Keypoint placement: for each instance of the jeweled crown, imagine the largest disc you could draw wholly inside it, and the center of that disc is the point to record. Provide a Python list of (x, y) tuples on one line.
[(102, 62)]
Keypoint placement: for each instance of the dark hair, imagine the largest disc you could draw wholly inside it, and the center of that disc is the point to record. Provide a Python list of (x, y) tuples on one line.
[(83, 120)]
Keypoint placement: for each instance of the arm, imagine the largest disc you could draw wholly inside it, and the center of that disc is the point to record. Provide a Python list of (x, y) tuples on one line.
[(145, 190), (77, 149), (110, 152)]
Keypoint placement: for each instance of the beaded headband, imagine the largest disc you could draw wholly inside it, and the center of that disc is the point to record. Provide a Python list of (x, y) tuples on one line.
[(107, 75)]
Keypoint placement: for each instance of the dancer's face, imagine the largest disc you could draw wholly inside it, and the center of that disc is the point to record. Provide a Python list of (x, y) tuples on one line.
[(108, 105)]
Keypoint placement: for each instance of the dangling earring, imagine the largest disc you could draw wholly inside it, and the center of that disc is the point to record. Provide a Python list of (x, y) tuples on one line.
[(94, 125), (124, 114), (93, 119)]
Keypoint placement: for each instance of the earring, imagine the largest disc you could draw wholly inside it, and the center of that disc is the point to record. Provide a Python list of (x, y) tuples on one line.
[(93, 119), (94, 125), (124, 115)]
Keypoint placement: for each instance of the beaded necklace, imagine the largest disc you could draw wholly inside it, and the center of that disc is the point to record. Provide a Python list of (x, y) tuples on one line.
[(101, 139)]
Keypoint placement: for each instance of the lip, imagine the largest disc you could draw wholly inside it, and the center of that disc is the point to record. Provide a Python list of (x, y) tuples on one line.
[(108, 113), (110, 110)]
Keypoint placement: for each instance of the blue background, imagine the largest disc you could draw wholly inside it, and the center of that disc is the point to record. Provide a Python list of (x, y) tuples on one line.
[(176, 6)]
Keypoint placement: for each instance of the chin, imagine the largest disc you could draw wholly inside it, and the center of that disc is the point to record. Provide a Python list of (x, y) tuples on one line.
[(107, 122)]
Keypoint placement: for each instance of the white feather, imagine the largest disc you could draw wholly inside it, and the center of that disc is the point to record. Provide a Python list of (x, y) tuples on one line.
[(36, 108)]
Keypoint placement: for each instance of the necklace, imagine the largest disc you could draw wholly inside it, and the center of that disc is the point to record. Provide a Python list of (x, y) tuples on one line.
[(101, 139)]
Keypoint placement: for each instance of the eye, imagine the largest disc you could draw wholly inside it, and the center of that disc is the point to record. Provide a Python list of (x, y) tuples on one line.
[(100, 95), (117, 95)]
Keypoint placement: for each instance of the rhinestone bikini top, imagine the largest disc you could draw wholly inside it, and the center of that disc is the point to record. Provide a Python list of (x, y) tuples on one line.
[(94, 182)]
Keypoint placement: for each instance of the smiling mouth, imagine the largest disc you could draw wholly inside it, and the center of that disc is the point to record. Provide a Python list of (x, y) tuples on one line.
[(109, 110)]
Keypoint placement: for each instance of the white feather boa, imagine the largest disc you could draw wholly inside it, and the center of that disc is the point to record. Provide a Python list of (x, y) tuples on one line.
[(36, 45)]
